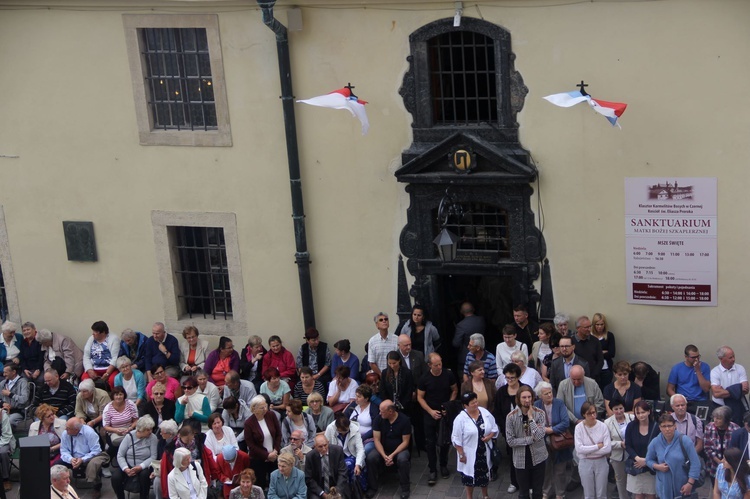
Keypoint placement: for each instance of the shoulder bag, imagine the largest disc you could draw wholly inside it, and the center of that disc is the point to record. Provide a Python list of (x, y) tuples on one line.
[(686, 467), (630, 468)]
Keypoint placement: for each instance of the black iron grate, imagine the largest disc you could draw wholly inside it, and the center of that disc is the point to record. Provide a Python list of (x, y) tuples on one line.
[(462, 78), (481, 227), (178, 78), (203, 271)]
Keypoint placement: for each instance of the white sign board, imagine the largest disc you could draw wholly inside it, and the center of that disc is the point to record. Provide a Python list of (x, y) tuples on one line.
[(670, 241)]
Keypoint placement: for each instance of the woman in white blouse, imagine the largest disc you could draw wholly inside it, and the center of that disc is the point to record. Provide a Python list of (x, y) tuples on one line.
[(529, 375), (186, 480), (219, 435), (341, 391), (593, 445), (473, 431)]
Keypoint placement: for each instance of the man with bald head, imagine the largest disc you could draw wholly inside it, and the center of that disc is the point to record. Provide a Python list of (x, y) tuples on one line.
[(297, 448), (414, 360), (325, 468), (435, 388), (578, 389), (391, 432)]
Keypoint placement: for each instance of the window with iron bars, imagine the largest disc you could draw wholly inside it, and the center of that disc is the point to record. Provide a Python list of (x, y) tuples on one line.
[(462, 78), (179, 85), (480, 228), (3, 299), (202, 269)]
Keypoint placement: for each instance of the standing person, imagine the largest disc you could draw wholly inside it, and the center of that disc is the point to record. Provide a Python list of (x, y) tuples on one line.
[(251, 362), (557, 422), (392, 435), (505, 402), (593, 445), (529, 375), (100, 354), (588, 348), (424, 335), (561, 321), (554, 344), (729, 384), (540, 349), (473, 431), (344, 357), (732, 480), (525, 432), (397, 383), (220, 361), (638, 436), (315, 354), (717, 436), (477, 383), (508, 346), (380, 344), (436, 387), (606, 338), (163, 349), (263, 439), (666, 456), (477, 352), (526, 330), (470, 324), (193, 351), (617, 425), (414, 361)]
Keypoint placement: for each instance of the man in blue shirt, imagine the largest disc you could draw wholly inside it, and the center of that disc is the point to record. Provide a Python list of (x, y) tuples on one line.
[(79, 449), (690, 378), (164, 349)]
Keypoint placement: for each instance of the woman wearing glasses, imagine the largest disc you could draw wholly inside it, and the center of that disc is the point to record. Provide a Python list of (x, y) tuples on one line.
[(159, 407), (172, 386), (193, 406), (666, 456), (593, 445)]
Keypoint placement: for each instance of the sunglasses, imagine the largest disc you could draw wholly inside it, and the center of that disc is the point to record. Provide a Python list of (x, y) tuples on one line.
[(157, 393), (188, 387)]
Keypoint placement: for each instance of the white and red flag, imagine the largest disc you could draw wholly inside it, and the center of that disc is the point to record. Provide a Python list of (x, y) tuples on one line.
[(343, 98), (610, 110)]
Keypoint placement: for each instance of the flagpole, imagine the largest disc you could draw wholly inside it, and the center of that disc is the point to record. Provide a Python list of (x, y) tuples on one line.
[(302, 256)]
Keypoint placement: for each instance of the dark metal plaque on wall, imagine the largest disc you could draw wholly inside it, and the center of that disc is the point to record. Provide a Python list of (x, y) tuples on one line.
[(79, 241)]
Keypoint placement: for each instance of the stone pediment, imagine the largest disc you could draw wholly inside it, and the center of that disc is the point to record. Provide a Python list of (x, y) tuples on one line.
[(489, 163)]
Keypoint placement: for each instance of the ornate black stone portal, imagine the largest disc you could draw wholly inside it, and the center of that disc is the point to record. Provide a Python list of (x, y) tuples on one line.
[(464, 94)]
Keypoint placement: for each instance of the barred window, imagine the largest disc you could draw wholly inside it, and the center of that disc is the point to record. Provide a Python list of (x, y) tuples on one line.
[(481, 228), (178, 78), (202, 270), (177, 73), (462, 78)]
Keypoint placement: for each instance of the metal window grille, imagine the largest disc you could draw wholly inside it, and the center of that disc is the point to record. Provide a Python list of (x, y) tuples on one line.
[(202, 269), (3, 299), (481, 227), (179, 86), (462, 78)]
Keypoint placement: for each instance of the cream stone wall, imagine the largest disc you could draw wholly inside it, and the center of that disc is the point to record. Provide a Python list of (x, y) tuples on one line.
[(68, 113)]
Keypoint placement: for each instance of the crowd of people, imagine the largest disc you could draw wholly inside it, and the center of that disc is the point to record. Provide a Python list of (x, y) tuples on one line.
[(180, 420)]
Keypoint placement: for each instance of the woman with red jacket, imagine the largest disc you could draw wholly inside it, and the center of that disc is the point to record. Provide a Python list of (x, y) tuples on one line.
[(263, 439), (282, 359)]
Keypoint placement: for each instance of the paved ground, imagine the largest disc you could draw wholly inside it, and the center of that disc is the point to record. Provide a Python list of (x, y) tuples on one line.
[(449, 488)]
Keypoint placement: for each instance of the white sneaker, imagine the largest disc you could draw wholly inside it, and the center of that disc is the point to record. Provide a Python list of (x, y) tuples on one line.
[(108, 474), (512, 488)]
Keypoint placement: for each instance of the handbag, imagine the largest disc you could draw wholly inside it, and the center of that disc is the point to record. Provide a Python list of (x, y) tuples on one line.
[(686, 467), (132, 483), (630, 468), (495, 455), (561, 441)]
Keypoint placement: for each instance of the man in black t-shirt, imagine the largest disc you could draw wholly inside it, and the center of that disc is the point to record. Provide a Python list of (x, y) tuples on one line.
[(435, 388), (391, 433)]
